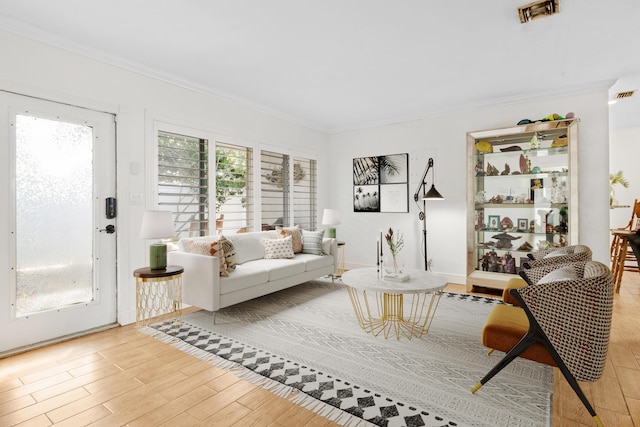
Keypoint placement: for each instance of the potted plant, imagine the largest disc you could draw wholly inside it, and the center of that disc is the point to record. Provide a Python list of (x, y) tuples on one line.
[(616, 179), (395, 242)]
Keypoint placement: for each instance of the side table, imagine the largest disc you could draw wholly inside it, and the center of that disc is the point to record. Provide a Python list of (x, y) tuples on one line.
[(339, 262), (158, 294), (341, 268)]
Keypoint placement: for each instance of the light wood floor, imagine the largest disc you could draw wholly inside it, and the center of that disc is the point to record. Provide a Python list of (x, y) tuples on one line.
[(122, 377)]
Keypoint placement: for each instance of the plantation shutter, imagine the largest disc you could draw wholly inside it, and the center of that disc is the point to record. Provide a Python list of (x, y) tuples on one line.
[(183, 182), (304, 193), (274, 171), (234, 187)]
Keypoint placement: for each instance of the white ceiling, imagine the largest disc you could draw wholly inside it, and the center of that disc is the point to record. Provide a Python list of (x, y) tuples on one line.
[(342, 64)]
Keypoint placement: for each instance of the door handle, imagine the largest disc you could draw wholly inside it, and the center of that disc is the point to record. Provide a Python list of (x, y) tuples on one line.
[(110, 229)]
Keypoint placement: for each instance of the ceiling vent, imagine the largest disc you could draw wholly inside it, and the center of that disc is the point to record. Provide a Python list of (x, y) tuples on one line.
[(538, 9), (627, 94)]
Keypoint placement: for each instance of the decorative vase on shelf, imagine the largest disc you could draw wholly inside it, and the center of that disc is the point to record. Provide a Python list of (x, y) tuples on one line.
[(393, 265)]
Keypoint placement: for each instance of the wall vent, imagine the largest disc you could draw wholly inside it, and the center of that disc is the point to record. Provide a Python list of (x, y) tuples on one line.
[(538, 9), (627, 94)]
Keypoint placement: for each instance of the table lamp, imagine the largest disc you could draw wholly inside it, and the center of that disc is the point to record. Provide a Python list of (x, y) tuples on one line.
[(331, 217), (157, 225)]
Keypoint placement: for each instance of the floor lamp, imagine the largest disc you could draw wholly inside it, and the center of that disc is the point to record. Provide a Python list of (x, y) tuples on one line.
[(432, 194)]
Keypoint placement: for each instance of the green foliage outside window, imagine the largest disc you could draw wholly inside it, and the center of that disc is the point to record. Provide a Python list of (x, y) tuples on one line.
[(231, 175)]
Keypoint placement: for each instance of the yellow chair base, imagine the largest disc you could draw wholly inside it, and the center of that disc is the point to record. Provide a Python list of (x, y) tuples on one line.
[(476, 388)]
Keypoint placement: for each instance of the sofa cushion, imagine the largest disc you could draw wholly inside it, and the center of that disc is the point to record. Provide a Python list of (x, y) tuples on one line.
[(296, 236), (314, 262), (280, 268), (245, 276), (248, 246), (505, 326), (312, 242), (278, 248), (213, 248)]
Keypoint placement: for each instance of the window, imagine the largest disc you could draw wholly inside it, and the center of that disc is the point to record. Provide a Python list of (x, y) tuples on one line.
[(234, 183), (274, 172), (305, 206), (183, 182), (277, 194), (287, 186)]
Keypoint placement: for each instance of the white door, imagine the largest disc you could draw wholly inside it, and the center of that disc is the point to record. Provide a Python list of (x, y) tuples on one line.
[(57, 241)]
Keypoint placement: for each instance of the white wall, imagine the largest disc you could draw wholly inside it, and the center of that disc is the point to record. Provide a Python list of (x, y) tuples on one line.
[(444, 139), (625, 148), (36, 69), (624, 140), (33, 68)]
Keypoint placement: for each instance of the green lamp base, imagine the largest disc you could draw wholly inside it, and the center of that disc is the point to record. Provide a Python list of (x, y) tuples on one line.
[(331, 232), (157, 256)]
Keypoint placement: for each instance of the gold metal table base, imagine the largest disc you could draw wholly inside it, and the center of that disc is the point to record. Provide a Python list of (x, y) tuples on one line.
[(387, 313), (158, 295)]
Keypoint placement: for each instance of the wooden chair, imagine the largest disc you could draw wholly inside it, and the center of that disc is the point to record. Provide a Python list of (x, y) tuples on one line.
[(616, 241), (623, 258), (564, 323)]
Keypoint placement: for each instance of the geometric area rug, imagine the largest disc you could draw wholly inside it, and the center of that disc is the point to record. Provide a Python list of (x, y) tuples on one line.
[(304, 343)]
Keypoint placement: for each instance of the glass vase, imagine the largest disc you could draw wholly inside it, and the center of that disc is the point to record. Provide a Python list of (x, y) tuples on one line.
[(393, 265)]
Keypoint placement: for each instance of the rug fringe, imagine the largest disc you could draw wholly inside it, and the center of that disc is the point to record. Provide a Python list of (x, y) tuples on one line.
[(203, 355)]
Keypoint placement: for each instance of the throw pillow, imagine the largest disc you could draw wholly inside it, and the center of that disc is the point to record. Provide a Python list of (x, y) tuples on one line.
[(278, 248), (229, 252), (557, 252), (296, 236), (564, 273), (312, 242), (214, 248), (326, 246)]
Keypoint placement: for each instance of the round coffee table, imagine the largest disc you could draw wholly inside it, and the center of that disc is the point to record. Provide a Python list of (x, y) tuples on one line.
[(379, 303)]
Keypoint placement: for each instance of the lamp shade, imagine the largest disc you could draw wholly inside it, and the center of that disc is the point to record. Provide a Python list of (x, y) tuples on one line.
[(433, 194), (331, 217), (157, 225)]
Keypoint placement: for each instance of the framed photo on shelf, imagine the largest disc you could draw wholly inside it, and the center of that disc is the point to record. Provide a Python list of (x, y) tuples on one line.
[(494, 222), (523, 224), (537, 186)]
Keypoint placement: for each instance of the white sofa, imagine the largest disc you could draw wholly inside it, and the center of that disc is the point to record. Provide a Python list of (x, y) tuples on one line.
[(254, 276)]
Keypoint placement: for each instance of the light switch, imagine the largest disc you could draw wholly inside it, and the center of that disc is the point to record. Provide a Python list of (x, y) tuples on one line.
[(134, 168), (136, 198)]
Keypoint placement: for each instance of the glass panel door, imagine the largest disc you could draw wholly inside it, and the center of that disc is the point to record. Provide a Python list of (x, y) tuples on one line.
[(54, 195), (58, 243)]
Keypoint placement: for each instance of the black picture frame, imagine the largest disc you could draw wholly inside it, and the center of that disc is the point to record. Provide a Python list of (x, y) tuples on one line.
[(523, 224), (381, 183), (537, 185)]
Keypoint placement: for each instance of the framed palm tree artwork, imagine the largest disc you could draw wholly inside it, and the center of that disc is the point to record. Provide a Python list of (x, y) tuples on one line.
[(366, 198), (381, 183)]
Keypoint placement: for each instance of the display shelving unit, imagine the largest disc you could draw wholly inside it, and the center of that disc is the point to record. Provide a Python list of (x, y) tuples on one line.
[(522, 195)]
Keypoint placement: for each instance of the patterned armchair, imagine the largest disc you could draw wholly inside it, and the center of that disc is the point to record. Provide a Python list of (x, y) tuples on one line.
[(549, 259), (560, 255), (564, 321)]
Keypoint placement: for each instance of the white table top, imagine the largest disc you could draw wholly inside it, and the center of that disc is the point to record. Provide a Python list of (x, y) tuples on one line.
[(419, 281)]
